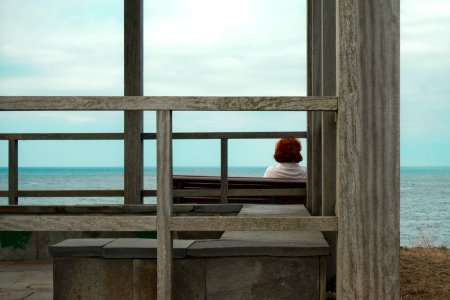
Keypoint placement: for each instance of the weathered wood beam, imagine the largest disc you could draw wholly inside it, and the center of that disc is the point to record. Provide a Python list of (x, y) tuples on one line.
[(61, 136), (316, 117), (152, 193), (21, 222), (70, 193), (309, 63), (13, 172), (136, 222), (133, 86), (368, 176), (31, 103), (152, 136), (164, 203), (254, 223), (329, 127), (224, 170), (240, 192), (328, 86)]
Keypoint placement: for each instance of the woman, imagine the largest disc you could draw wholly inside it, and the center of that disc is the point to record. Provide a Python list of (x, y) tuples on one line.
[(287, 154)]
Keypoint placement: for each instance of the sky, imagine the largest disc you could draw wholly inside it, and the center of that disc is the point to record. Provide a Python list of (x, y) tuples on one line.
[(202, 48)]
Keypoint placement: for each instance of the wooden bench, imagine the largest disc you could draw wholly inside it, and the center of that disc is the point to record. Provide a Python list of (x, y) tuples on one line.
[(293, 191)]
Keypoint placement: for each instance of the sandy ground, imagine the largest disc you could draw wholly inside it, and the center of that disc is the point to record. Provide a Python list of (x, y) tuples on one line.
[(425, 273)]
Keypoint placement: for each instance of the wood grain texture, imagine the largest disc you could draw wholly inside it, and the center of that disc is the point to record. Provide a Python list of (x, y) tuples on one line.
[(223, 170), (316, 117), (240, 192), (253, 223), (133, 48), (13, 172), (329, 128), (134, 157), (152, 193), (309, 82), (368, 149), (164, 203), (21, 222), (152, 136), (36, 103), (133, 86), (328, 118)]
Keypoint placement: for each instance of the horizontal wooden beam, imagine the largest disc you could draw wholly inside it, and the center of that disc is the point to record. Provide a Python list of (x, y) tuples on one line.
[(231, 135), (61, 136), (32, 103), (20, 222), (254, 223), (42, 222), (239, 192), (85, 209), (70, 193), (152, 193), (152, 136)]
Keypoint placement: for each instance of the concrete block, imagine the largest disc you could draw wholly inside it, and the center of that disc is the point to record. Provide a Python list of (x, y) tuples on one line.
[(262, 278), (79, 248), (144, 279), (66, 278), (110, 279), (189, 279)]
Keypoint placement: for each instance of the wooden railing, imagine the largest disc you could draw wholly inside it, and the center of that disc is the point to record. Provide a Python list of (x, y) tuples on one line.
[(13, 192), (164, 222)]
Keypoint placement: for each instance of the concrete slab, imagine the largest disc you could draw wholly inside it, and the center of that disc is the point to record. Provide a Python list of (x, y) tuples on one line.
[(26, 280), (79, 248), (141, 248), (272, 209), (227, 248)]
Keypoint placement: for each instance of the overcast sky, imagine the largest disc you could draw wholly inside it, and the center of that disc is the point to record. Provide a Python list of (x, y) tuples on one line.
[(200, 47)]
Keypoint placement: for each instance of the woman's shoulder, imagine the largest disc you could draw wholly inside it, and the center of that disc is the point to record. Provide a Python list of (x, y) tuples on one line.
[(269, 171)]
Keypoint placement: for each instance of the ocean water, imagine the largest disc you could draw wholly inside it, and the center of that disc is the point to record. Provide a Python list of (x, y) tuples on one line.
[(424, 193)]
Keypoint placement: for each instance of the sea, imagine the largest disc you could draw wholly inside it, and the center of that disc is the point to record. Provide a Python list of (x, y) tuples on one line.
[(424, 193)]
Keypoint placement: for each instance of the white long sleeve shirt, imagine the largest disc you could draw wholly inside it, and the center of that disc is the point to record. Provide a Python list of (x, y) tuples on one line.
[(286, 170)]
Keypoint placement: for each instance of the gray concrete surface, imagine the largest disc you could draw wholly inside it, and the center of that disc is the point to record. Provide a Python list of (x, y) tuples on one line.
[(31, 280)]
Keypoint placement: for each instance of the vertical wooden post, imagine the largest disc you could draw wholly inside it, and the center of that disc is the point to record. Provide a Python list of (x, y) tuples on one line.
[(329, 126), (315, 135), (133, 85), (368, 172), (13, 172), (309, 163), (224, 170), (164, 203)]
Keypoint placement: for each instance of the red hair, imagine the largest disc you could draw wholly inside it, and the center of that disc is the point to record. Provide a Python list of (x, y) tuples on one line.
[(288, 150)]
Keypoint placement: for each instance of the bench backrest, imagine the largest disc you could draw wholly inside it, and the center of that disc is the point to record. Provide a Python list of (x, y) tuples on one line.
[(213, 182)]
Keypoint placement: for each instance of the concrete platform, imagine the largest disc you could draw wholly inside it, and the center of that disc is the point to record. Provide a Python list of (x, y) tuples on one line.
[(26, 280)]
